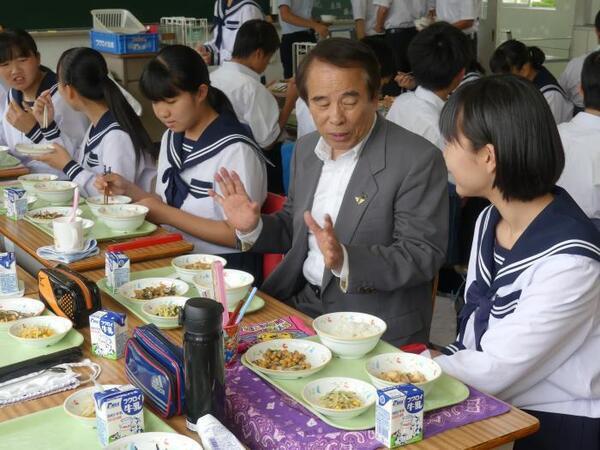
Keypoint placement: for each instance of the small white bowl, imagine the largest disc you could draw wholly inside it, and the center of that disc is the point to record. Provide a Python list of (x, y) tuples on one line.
[(123, 217), (403, 362), (76, 404), (60, 325), (56, 192), (204, 275), (150, 307), (31, 179), (64, 211), (34, 149), (314, 391), (87, 225), (350, 335), (97, 202), (328, 18), (316, 354), (237, 285), (128, 289), (154, 440), (22, 305)]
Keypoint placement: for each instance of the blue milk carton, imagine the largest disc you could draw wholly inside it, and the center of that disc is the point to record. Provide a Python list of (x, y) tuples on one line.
[(119, 413), (116, 269), (399, 415), (9, 282), (15, 200), (108, 334)]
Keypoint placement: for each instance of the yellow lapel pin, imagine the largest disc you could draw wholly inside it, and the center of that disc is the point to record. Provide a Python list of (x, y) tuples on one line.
[(360, 199)]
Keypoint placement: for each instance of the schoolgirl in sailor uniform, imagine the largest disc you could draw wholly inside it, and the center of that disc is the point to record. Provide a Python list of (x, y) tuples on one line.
[(229, 16), (20, 69), (516, 58), (116, 137), (203, 136), (530, 330)]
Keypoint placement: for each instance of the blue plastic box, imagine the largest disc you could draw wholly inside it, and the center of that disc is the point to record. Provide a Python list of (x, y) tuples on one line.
[(124, 44)]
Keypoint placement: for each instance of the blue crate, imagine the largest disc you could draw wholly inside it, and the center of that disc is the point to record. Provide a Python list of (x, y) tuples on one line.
[(121, 44)]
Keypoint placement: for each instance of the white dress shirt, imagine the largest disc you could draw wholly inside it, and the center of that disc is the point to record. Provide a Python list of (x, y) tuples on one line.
[(570, 79), (304, 119), (300, 8), (452, 11), (367, 11), (331, 188), (253, 104), (581, 175), (402, 13)]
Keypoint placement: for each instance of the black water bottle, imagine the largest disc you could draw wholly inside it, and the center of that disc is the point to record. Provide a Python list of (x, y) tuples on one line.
[(201, 319)]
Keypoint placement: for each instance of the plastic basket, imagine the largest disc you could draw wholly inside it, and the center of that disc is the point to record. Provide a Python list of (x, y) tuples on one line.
[(183, 30), (116, 21), (122, 44)]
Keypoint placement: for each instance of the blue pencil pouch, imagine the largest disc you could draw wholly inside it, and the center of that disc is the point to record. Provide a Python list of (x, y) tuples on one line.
[(155, 365)]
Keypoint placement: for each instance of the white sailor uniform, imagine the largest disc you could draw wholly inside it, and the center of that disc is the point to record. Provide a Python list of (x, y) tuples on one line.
[(560, 105)]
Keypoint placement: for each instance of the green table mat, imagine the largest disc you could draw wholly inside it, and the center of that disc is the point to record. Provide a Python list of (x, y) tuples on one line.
[(447, 390), (37, 204), (54, 429), (9, 161), (99, 231)]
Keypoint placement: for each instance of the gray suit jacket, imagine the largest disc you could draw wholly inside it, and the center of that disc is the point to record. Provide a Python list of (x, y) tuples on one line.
[(396, 238)]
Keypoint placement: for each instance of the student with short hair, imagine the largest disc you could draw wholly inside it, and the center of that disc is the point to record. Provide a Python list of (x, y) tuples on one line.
[(27, 80), (530, 330), (581, 141), (364, 13), (516, 58)]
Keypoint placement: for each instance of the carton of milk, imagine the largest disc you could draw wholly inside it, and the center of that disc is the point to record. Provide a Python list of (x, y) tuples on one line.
[(399, 415), (108, 333), (15, 201), (9, 282), (116, 269), (119, 413)]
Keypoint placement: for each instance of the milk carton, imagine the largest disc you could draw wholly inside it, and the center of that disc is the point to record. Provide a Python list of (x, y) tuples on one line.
[(9, 282), (119, 413), (399, 415), (15, 200), (116, 268), (108, 333)]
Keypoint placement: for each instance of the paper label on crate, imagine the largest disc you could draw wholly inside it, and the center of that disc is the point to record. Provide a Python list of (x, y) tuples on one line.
[(119, 413), (108, 334), (9, 282)]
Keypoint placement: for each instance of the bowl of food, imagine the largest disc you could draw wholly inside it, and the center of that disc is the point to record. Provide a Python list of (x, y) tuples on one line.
[(34, 149), (350, 335), (188, 266), (164, 311), (146, 289), (13, 309), (41, 331), (31, 179), (328, 18), (155, 440), (87, 225), (80, 404), (340, 397), (55, 192), (97, 202), (288, 359), (237, 285), (123, 217), (390, 369), (46, 215)]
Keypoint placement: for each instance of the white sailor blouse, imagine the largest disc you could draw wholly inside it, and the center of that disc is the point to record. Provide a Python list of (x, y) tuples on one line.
[(557, 98), (530, 330), (107, 144), (67, 128), (186, 171), (226, 22)]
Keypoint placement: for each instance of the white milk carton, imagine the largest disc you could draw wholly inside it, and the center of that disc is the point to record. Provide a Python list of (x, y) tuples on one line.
[(9, 282), (108, 333), (399, 415), (15, 200), (119, 413), (116, 269)]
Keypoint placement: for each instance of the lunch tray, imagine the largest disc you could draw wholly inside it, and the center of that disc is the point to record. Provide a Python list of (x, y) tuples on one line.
[(163, 272), (447, 390), (9, 161), (99, 231), (53, 428)]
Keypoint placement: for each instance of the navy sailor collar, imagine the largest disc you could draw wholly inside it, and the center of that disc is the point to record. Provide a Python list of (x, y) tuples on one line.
[(97, 132), (50, 81), (545, 82)]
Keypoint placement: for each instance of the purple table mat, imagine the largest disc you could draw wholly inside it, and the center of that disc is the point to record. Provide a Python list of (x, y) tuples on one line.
[(263, 418)]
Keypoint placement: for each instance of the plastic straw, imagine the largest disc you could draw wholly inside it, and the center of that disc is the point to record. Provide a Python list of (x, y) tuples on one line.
[(75, 204), (218, 277), (246, 305)]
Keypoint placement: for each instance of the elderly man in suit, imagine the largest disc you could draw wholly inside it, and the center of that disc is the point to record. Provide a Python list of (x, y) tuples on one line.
[(365, 225)]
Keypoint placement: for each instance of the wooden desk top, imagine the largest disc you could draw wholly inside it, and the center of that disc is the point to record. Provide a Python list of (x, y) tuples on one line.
[(29, 238), (485, 434), (13, 172), (31, 284)]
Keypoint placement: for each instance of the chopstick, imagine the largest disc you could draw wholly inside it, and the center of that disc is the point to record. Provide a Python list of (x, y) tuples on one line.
[(106, 188), (45, 118)]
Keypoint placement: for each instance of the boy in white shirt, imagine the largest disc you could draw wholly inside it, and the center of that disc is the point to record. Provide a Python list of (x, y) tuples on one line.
[(581, 142), (364, 13), (463, 14)]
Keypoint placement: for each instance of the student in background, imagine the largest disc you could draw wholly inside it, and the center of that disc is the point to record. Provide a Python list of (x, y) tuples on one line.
[(516, 58), (365, 18), (297, 25), (463, 14), (581, 141), (203, 135), (570, 79), (27, 79), (228, 17), (116, 137), (533, 281)]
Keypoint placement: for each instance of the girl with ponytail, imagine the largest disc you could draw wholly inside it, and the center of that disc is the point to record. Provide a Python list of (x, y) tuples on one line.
[(516, 58), (203, 136), (116, 137)]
